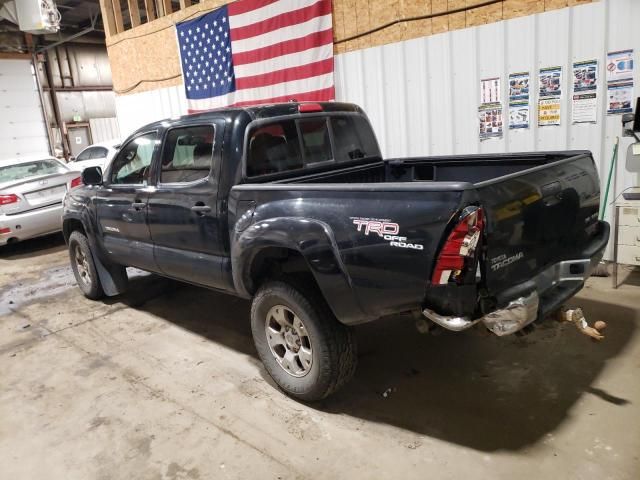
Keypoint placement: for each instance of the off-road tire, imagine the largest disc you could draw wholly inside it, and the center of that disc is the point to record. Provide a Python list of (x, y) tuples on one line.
[(334, 355), (89, 285)]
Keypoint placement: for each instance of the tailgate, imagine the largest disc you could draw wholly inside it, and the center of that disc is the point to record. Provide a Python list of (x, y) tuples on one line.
[(538, 217)]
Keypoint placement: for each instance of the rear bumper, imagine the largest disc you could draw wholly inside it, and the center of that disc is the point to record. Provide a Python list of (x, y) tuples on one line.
[(31, 224), (539, 296)]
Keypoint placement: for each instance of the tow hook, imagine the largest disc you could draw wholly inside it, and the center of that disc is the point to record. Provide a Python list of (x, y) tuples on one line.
[(576, 317)]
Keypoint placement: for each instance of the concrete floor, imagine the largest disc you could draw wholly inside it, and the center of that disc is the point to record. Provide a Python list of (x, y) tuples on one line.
[(164, 383)]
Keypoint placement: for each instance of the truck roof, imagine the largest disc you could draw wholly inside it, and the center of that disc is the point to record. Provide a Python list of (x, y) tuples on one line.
[(258, 112)]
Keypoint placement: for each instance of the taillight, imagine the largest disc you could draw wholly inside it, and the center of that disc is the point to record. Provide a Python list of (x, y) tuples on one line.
[(459, 251), (8, 199), (76, 182), (4, 231)]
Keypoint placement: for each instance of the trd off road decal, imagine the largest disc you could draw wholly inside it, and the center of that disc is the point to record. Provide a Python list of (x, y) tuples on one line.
[(385, 229)]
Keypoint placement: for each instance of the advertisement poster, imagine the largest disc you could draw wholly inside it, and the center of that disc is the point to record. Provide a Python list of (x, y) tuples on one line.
[(518, 86), (519, 100), (585, 76), (550, 80), (620, 98), (490, 90), (490, 117), (548, 111), (585, 107), (619, 65), (519, 114)]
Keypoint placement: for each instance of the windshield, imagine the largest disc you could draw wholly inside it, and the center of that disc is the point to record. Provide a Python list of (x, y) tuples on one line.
[(36, 168)]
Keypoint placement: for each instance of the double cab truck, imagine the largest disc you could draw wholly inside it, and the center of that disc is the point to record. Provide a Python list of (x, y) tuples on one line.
[(292, 206)]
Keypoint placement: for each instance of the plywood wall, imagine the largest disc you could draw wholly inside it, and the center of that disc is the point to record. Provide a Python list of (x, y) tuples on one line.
[(146, 57)]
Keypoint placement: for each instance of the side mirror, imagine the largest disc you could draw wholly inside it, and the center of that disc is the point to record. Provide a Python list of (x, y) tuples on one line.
[(92, 176), (72, 159)]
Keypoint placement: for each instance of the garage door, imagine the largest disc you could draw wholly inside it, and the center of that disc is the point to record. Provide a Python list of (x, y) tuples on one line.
[(22, 129)]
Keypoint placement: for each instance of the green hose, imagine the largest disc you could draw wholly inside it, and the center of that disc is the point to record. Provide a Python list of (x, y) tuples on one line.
[(611, 167)]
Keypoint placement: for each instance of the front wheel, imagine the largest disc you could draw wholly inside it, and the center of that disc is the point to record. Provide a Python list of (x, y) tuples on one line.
[(83, 266), (303, 347)]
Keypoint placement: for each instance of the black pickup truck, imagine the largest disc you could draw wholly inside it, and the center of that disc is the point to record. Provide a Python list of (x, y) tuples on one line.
[(292, 206)]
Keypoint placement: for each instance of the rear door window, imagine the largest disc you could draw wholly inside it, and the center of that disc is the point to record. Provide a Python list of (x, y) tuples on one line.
[(187, 154)]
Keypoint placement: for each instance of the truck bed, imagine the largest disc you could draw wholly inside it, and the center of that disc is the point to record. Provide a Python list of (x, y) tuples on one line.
[(540, 209), (462, 168)]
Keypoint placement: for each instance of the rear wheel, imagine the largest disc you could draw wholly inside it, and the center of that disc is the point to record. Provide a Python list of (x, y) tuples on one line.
[(304, 348), (83, 266)]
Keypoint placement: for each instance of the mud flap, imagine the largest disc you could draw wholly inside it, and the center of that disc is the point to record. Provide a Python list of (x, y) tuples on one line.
[(113, 279)]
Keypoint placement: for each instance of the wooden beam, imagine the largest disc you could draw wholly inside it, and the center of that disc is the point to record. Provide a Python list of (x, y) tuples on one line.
[(150, 8), (117, 14), (168, 9), (134, 12), (14, 56), (106, 7), (184, 4)]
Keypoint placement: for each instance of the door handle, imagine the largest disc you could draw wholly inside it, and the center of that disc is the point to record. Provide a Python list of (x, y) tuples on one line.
[(201, 209), (138, 205)]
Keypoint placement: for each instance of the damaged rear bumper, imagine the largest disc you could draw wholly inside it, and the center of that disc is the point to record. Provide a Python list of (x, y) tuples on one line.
[(516, 315), (535, 298)]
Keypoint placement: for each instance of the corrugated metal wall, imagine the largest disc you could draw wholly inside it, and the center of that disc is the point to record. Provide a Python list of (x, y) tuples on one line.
[(103, 129), (422, 95)]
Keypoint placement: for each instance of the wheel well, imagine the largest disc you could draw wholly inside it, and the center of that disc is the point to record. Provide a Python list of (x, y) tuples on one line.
[(278, 263), (70, 226)]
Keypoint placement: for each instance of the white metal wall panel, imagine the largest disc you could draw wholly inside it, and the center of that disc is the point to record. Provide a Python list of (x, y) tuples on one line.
[(22, 129), (446, 93), (134, 111), (422, 95), (104, 129)]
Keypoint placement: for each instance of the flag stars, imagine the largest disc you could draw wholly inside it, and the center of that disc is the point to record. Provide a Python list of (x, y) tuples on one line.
[(198, 29)]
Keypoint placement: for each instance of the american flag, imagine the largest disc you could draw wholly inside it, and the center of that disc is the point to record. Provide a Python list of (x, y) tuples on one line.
[(258, 51)]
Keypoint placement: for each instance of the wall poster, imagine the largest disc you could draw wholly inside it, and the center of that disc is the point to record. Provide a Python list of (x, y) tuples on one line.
[(490, 90), (548, 111), (519, 100), (490, 116), (584, 103), (619, 82)]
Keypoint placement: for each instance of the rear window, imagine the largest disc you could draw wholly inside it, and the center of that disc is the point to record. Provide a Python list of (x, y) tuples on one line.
[(37, 168), (289, 145)]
